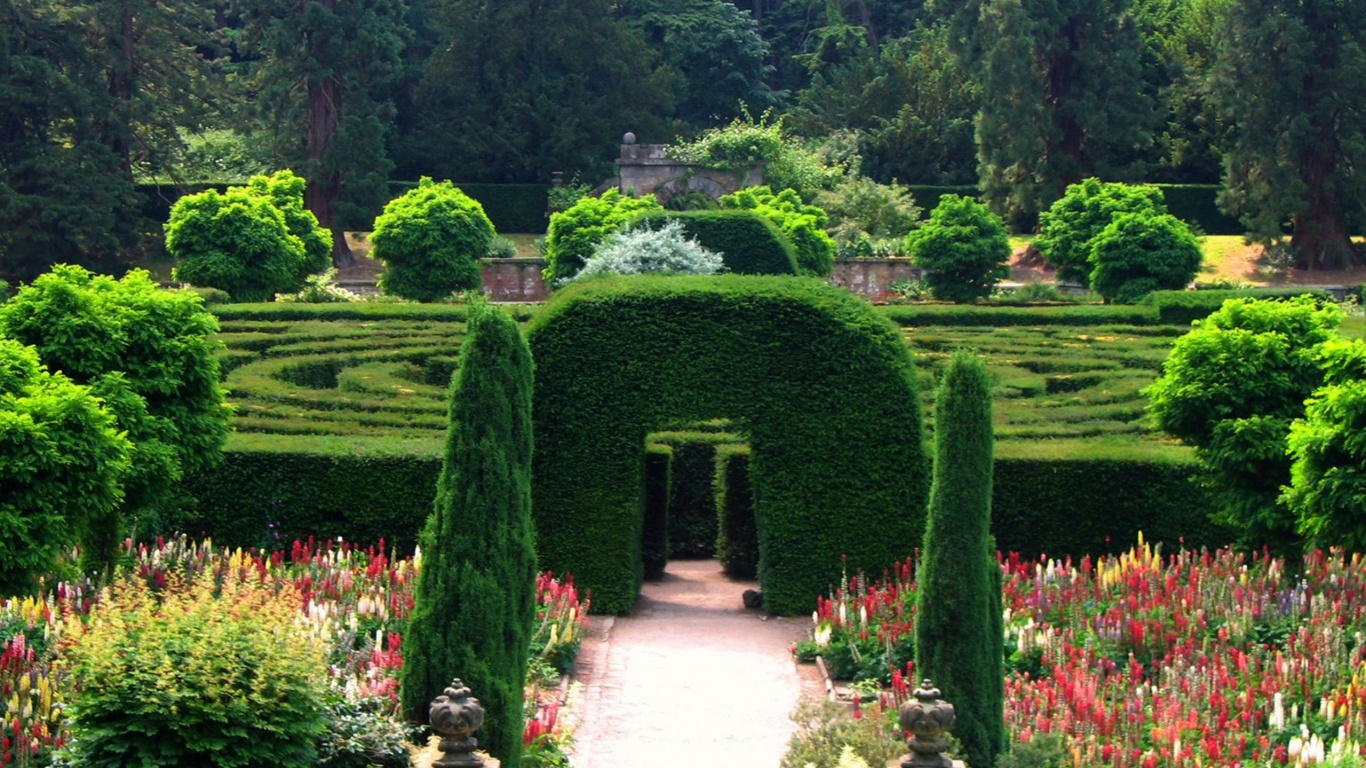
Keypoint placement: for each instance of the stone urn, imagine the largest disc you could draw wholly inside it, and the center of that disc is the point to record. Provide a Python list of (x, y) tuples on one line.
[(926, 717), (455, 715)]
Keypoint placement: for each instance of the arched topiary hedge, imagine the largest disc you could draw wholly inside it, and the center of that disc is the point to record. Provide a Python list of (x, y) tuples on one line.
[(822, 385), (749, 244)]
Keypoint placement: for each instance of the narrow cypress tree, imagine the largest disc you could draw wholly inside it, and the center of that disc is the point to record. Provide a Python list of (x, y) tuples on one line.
[(958, 622), (476, 588)]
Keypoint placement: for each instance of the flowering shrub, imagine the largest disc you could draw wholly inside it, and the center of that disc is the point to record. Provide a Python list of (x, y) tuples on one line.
[(352, 602), (865, 629)]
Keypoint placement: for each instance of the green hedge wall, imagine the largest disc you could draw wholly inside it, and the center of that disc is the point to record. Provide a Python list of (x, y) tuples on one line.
[(269, 490), (692, 498), (654, 532), (832, 475), (980, 315), (737, 539), (749, 244), (1091, 499), (1198, 204), (1183, 307)]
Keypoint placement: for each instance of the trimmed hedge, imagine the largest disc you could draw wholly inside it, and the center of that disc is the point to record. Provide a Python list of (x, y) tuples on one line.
[(1061, 499), (617, 358), (692, 500), (1184, 307), (749, 244), (519, 208), (269, 490), (979, 315), (360, 310), (654, 531), (737, 539)]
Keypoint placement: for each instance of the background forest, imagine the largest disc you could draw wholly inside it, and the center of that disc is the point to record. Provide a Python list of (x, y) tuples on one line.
[(1018, 97)]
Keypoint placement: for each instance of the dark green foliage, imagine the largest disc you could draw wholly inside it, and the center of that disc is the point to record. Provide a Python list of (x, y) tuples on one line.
[(1068, 228), (749, 244), (958, 618), (737, 539), (1138, 253), (1003, 316), (475, 592), (574, 232), (964, 249), (692, 502), (1197, 204), (430, 240), (286, 192), (1184, 307), (1231, 388), (654, 529), (150, 353), (1059, 499), (803, 224), (1327, 490), (517, 208), (617, 358), (62, 466)]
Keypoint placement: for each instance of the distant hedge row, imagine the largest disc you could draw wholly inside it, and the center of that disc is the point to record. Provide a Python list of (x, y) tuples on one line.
[(749, 244), (1183, 307)]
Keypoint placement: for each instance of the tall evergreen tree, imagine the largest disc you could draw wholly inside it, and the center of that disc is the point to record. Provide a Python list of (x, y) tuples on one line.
[(327, 81), (958, 607), (1062, 95), (476, 587), (1290, 81)]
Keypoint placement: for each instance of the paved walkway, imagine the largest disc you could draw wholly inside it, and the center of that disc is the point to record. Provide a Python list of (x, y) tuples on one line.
[(691, 678)]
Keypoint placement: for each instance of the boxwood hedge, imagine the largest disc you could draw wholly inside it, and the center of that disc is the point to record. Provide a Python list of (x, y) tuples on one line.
[(832, 475), (749, 244)]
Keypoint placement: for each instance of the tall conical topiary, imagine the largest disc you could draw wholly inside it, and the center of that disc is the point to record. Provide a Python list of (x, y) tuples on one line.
[(475, 599), (958, 622)]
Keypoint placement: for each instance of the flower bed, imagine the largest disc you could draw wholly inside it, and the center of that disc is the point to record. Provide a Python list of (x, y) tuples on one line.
[(1149, 661), (354, 600)]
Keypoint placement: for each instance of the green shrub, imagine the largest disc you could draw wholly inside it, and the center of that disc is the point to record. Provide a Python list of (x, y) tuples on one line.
[(818, 490), (964, 249), (1327, 491), (737, 539), (862, 208), (321, 288), (749, 243), (747, 142), (511, 207), (501, 248), (804, 225), (286, 192), (218, 674), (575, 232), (641, 250), (1138, 253), (1185, 307), (430, 240), (825, 730), (958, 624), (1067, 228), (239, 241), (692, 201), (62, 465), (476, 590), (998, 317)]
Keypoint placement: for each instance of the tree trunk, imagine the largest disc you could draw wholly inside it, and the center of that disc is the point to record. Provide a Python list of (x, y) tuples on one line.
[(1321, 239), (324, 185), (121, 86), (866, 19)]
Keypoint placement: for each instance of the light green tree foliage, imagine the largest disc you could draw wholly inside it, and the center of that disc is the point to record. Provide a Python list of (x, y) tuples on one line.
[(252, 241), (62, 462), (746, 142), (1069, 226), (639, 250), (964, 249), (1062, 95), (431, 239), (909, 105), (1297, 134), (1138, 253), (1231, 388), (715, 50), (475, 594), (1327, 490), (803, 224), (575, 232), (864, 213), (958, 626), (151, 355)]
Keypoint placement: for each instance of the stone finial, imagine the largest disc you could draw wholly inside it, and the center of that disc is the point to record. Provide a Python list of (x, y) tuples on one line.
[(926, 717), (628, 138), (455, 715)]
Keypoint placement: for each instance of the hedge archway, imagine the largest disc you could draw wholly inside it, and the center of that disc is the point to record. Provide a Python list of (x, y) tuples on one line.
[(823, 386)]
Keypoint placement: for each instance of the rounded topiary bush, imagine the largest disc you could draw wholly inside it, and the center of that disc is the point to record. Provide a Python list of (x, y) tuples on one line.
[(1067, 228), (1138, 253), (803, 224), (236, 241), (749, 244), (964, 249), (430, 240), (576, 231)]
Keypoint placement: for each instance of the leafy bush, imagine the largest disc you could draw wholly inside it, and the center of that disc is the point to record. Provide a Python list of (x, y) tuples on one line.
[(1033, 291), (863, 209), (803, 224), (575, 232), (430, 240), (1184, 307), (639, 250), (747, 142), (692, 201), (825, 731), (964, 249), (1327, 490), (321, 288), (244, 242), (501, 248), (62, 465), (1138, 253), (1067, 228), (749, 243), (213, 674)]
